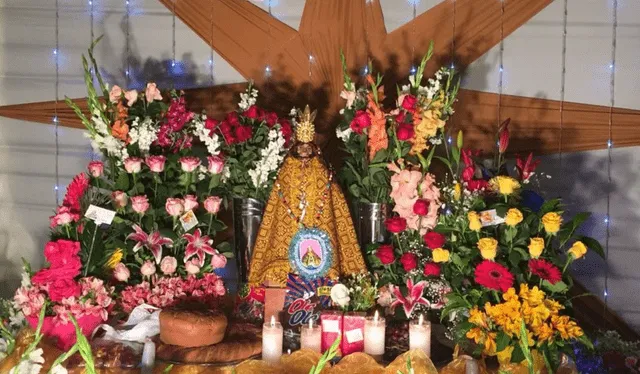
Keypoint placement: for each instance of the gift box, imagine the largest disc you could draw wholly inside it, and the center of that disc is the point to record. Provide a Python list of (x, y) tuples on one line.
[(331, 322), (249, 304), (352, 333)]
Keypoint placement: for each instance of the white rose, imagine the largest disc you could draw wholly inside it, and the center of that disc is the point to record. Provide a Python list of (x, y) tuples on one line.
[(340, 295)]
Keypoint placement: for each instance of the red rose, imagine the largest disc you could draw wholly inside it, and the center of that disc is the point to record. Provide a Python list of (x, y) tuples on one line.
[(243, 133), (421, 207), (271, 119), (400, 117), (232, 119), (409, 103), (253, 112), (287, 131), (431, 269), (395, 225), (69, 271), (63, 288), (409, 261), (61, 252), (360, 122), (405, 132), (227, 133), (434, 240), (385, 254), (211, 124)]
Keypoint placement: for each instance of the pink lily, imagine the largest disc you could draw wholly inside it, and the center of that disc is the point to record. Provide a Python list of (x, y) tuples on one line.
[(413, 298), (526, 168), (153, 241), (198, 245)]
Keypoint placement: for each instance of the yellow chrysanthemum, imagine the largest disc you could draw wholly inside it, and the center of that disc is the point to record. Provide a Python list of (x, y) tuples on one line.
[(553, 306), (115, 259), (490, 345), (533, 296), (513, 217), (567, 328), (544, 332), (476, 333), (510, 295), (477, 317), (504, 185)]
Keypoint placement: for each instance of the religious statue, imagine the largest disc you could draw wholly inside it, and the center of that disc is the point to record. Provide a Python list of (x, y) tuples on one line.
[(306, 228)]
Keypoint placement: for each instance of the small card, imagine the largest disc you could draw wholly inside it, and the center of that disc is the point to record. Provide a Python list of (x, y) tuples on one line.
[(354, 336), (188, 220), (100, 215), (331, 326), (490, 218)]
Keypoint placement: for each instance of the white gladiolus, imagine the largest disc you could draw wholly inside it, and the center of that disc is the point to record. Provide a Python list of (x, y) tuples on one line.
[(143, 133), (32, 365), (270, 160), (211, 141)]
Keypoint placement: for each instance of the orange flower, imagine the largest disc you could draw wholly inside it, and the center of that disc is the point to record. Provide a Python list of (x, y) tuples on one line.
[(377, 133), (120, 130)]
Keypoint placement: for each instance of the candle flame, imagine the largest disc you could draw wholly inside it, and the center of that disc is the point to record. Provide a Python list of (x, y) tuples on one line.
[(273, 321), (420, 320), (375, 317), (310, 323)]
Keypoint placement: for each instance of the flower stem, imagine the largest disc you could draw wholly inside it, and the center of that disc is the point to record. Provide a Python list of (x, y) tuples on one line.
[(210, 220)]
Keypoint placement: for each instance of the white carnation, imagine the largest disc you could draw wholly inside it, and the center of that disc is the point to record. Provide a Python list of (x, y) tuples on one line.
[(344, 134), (270, 160), (212, 142)]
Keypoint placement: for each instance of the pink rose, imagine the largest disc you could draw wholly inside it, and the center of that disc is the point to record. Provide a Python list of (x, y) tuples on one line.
[(218, 261), (219, 288), (133, 165), (115, 94), (121, 273), (131, 97), (190, 202), (216, 164), (189, 163), (120, 199), (96, 168), (148, 269), (140, 204), (152, 92), (174, 207), (212, 204), (168, 265), (192, 267), (63, 288), (156, 163), (63, 216)]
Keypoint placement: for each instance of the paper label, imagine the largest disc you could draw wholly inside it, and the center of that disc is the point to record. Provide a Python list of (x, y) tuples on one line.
[(331, 326), (188, 220), (354, 336), (490, 218), (100, 215)]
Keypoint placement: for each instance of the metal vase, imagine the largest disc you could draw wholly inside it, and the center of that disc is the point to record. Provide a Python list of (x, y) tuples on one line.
[(247, 216), (369, 222)]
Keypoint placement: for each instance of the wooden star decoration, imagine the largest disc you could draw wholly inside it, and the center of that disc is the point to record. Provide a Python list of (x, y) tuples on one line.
[(251, 39)]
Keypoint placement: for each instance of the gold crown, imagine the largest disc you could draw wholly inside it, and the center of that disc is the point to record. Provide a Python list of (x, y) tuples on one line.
[(305, 131)]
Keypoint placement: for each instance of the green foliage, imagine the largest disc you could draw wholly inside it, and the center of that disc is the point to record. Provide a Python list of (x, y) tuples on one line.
[(326, 357)]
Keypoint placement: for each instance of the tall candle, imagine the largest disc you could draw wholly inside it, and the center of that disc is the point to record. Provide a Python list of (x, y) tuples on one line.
[(311, 337), (272, 341), (374, 328), (420, 335)]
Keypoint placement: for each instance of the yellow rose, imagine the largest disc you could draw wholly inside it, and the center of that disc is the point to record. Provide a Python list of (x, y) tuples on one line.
[(115, 259), (536, 246), (488, 248), (474, 221), (513, 217), (504, 185), (551, 222), (440, 255), (577, 250)]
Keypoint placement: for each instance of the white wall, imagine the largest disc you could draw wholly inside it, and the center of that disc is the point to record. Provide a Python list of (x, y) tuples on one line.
[(532, 67)]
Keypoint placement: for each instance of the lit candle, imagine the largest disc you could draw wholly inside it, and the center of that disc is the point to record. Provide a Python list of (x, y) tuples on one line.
[(420, 335), (311, 337), (272, 341), (148, 356), (374, 335)]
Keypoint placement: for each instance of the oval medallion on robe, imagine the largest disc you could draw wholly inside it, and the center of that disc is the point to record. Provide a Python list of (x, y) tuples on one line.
[(310, 253)]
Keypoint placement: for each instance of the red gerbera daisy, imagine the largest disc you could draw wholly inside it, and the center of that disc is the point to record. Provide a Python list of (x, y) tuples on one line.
[(493, 276), (75, 190), (545, 270)]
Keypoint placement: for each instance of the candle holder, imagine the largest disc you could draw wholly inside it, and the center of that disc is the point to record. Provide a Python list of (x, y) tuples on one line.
[(420, 335), (374, 335), (272, 333), (311, 337)]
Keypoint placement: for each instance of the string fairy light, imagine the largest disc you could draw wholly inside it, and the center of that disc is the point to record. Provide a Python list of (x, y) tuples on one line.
[(211, 51), (415, 34), (56, 55), (173, 44), (501, 66), (607, 220), (127, 22), (563, 77), (267, 68)]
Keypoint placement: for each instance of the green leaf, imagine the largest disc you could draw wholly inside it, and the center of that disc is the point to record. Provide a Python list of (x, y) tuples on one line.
[(92, 248), (515, 258), (502, 341), (592, 244), (326, 357), (559, 287), (224, 247), (122, 182), (548, 206)]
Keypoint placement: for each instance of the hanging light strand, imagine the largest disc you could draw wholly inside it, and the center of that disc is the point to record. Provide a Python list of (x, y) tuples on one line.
[(563, 77), (501, 67), (91, 19), (211, 50), (127, 22), (173, 44), (267, 69), (453, 37), (56, 56), (607, 218)]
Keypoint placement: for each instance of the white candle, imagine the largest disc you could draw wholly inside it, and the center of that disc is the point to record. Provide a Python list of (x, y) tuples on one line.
[(374, 328), (420, 335), (272, 341), (311, 337), (148, 356)]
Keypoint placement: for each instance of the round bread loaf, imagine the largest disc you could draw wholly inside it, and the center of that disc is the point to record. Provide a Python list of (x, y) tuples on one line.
[(192, 328)]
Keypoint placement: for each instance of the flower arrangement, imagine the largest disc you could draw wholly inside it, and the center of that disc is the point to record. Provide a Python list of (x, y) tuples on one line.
[(254, 143), (356, 293), (375, 138)]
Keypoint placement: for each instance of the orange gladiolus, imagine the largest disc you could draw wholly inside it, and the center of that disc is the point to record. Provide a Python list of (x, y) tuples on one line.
[(378, 138), (120, 130)]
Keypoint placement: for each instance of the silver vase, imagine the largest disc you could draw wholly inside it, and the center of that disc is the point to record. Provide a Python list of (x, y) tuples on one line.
[(247, 216), (369, 223)]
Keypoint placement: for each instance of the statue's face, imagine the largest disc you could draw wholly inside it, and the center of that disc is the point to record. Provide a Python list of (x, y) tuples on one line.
[(304, 150)]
